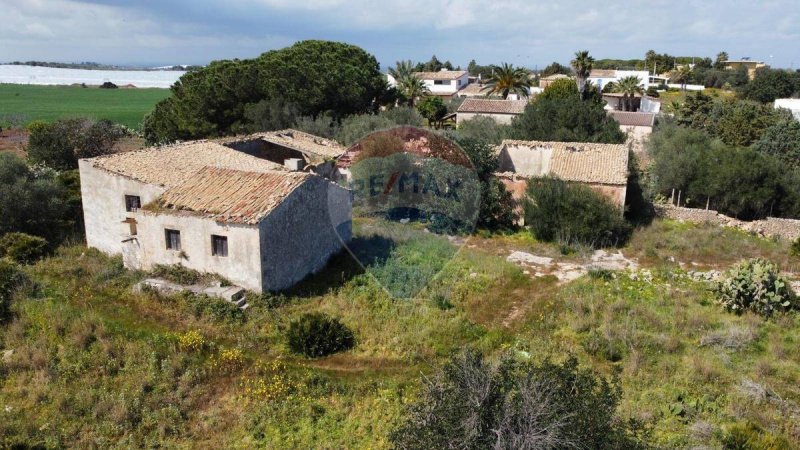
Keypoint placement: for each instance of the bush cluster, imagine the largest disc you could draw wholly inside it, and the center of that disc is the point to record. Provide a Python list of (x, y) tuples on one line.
[(572, 214), (471, 403), (10, 278), (315, 335), (794, 249), (60, 144), (22, 248), (755, 285), (34, 200)]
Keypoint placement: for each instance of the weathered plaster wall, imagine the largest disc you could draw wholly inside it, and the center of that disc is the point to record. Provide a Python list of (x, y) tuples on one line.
[(103, 195), (637, 136), (300, 235), (614, 193), (242, 266), (526, 161)]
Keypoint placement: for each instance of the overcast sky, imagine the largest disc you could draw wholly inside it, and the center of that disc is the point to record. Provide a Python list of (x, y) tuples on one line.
[(160, 32)]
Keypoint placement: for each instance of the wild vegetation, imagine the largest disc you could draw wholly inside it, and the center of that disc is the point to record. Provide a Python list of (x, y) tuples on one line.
[(148, 369), (423, 339)]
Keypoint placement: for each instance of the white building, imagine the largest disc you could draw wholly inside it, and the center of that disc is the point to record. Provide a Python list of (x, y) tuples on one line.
[(444, 82), (792, 104), (215, 209), (600, 77)]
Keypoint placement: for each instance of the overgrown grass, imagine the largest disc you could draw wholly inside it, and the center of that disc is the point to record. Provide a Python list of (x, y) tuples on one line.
[(96, 365), (49, 103), (669, 241)]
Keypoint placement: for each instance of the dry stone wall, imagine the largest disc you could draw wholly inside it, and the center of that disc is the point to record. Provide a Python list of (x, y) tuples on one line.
[(771, 226)]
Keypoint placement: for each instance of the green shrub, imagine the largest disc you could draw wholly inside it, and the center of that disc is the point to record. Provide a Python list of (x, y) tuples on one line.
[(10, 278), (572, 214), (22, 248), (609, 348), (750, 436), (471, 403), (315, 335), (32, 200), (794, 249), (755, 285)]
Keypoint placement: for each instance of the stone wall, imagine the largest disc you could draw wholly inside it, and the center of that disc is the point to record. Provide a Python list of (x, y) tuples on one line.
[(771, 226), (689, 214), (303, 232)]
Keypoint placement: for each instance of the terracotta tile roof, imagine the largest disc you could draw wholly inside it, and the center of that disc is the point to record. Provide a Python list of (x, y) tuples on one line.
[(582, 161), (441, 75), (637, 119), (294, 139), (231, 196), (602, 73), (170, 165), (474, 89), (491, 106)]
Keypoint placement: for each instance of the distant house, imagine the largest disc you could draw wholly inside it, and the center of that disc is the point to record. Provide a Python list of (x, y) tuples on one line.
[(213, 208), (444, 82), (600, 77), (792, 104), (636, 125), (502, 111), (602, 167), (547, 81), (750, 65)]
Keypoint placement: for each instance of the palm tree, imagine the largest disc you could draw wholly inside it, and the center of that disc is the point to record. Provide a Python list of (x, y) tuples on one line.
[(508, 79), (408, 85), (682, 75), (402, 70), (412, 88), (582, 65), (629, 87)]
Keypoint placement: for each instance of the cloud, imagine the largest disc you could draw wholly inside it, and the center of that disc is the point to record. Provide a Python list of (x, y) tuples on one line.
[(518, 31)]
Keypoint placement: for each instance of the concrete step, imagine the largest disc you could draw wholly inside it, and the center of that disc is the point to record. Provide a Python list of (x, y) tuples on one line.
[(232, 294)]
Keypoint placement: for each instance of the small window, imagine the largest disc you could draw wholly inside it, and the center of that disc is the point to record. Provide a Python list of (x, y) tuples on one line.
[(219, 245), (441, 81), (132, 203), (173, 239)]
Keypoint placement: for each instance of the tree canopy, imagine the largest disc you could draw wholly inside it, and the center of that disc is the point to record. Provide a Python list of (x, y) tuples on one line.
[(313, 76), (566, 119), (770, 84), (508, 79)]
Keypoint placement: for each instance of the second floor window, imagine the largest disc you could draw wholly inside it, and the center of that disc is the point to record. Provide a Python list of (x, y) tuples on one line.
[(173, 238), (132, 203)]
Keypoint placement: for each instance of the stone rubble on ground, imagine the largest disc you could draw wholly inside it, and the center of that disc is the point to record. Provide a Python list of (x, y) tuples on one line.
[(539, 266), (699, 275)]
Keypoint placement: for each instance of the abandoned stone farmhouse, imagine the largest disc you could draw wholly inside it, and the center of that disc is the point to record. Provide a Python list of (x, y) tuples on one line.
[(260, 223), (602, 167)]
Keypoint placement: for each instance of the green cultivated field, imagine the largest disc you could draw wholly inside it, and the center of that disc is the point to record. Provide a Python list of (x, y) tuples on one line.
[(125, 106)]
